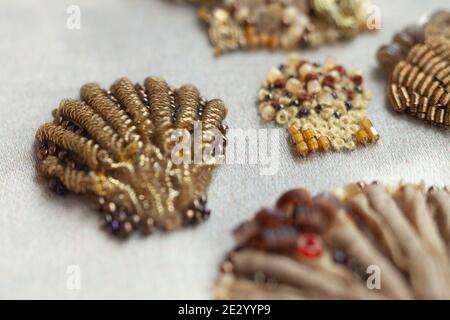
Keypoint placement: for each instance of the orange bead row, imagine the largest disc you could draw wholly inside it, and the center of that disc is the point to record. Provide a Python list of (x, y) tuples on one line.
[(257, 40), (367, 134), (306, 141)]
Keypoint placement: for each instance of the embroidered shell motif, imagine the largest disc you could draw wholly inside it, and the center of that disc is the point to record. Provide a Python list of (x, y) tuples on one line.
[(418, 60), (359, 242), (119, 146), (287, 24)]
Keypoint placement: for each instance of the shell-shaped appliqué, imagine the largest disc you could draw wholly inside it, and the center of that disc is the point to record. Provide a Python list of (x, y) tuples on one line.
[(123, 146), (360, 242), (418, 61), (420, 84)]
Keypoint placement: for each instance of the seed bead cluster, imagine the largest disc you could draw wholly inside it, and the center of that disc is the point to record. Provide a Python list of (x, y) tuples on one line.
[(323, 106), (117, 145), (320, 247), (276, 24)]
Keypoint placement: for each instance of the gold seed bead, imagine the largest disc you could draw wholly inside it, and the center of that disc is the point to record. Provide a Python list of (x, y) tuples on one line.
[(373, 134), (293, 130), (297, 138), (324, 143), (308, 134), (362, 137), (302, 149), (313, 145), (366, 124), (218, 51)]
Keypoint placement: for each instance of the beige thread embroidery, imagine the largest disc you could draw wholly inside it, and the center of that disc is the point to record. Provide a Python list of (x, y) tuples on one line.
[(329, 246)]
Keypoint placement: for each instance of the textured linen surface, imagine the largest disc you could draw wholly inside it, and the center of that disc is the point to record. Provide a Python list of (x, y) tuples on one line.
[(43, 62)]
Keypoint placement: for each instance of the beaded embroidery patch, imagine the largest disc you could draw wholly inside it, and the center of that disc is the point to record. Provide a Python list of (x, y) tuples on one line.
[(359, 242), (118, 146), (418, 61), (286, 24), (324, 106)]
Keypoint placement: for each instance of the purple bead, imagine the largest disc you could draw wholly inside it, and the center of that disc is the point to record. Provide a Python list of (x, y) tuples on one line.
[(115, 226)]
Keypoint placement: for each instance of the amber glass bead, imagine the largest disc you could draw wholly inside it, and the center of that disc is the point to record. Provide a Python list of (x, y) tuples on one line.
[(264, 39), (308, 134), (302, 148), (253, 41), (373, 134), (366, 124), (324, 143), (313, 145), (362, 136), (218, 51), (297, 138), (274, 42), (293, 130)]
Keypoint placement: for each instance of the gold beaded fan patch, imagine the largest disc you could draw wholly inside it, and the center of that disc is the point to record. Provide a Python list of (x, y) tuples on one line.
[(119, 146), (323, 106), (360, 242), (286, 24), (418, 60)]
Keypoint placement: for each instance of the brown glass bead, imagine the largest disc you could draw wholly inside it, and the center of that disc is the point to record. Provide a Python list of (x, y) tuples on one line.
[(291, 199)]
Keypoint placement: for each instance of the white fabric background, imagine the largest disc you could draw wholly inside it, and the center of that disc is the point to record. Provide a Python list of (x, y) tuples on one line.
[(43, 62)]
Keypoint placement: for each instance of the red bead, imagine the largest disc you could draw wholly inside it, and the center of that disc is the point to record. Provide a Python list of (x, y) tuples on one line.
[(303, 96), (358, 80), (309, 245), (280, 83), (341, 70), (311, 76), (328, 81), (350, 94)]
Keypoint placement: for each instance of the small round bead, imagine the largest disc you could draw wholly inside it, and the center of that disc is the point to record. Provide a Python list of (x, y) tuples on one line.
[(268, 113), (282, 117), (313, 86), (274, 74)]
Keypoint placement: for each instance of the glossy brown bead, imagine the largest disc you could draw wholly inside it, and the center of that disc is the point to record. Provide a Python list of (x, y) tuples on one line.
[(291, 199)]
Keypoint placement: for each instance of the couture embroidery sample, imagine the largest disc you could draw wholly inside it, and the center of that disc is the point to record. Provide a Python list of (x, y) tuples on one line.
[(119, 147), (285, 24), (324, 106), (418, 62), (394, 239)]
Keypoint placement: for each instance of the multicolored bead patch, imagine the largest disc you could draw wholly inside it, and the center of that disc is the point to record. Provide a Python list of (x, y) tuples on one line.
[(324, 106)]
